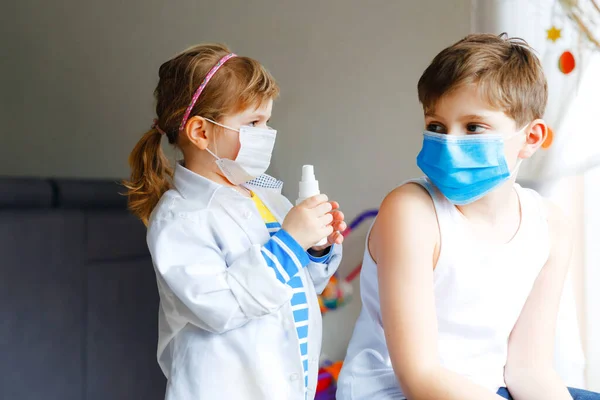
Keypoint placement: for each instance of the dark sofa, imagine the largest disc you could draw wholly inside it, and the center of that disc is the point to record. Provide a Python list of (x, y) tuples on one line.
[(78, 300)]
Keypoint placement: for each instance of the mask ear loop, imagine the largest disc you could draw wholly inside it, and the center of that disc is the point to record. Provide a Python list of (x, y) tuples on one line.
[(517, 133), (515, 170), (222, 126), (212, 154), (216, 149), (214, 139)]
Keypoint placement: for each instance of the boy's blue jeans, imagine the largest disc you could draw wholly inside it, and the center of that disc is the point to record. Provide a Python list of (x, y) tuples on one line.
[(577, 394)]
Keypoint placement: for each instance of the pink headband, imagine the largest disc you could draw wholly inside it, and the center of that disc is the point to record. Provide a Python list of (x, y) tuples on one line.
[(202, 86)]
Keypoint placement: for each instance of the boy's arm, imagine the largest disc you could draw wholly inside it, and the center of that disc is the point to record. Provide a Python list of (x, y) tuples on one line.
[(403, 242), (529, 372)]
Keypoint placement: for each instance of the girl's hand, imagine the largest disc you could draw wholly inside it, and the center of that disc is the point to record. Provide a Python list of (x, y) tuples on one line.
[(339, 226), (310, 221)]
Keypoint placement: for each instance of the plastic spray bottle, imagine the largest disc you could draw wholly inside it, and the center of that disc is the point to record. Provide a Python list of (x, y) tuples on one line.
[(309, 187)]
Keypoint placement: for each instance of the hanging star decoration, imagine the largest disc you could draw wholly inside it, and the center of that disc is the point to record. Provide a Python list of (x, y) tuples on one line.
[(553, 33)]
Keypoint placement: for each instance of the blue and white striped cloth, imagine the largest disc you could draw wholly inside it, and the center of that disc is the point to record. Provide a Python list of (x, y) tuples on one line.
[(287, 258)]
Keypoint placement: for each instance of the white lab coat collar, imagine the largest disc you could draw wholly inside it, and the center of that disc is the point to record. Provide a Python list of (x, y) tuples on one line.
[(193, 186), (203, 191)]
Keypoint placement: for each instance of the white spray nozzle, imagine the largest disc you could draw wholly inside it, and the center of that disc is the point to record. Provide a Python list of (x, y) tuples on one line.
[(309, 186), (308, 173)]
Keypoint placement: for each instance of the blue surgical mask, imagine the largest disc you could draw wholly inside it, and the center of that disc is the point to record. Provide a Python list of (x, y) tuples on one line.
[(465, 168)]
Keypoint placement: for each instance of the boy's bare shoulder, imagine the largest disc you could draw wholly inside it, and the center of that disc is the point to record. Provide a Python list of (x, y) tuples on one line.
[(406, 222), (408, 208), (410, 197)]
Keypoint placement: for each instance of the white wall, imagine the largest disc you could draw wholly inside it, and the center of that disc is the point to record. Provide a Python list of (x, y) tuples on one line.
[(77, 82)]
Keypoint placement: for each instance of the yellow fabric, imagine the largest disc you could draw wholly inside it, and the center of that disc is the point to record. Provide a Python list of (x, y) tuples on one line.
[(266, 215)]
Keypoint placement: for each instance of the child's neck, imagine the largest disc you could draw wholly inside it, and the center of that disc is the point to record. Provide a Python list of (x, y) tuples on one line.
[(208, 169), (497, 215)]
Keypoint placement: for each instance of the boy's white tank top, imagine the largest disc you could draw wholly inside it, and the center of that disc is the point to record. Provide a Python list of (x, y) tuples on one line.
[(480, 289)]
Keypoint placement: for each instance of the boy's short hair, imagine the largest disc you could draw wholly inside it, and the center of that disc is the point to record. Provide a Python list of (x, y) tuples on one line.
[(506, 71)]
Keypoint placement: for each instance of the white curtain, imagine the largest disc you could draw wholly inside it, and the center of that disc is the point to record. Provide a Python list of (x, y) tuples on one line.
[(530, 19)]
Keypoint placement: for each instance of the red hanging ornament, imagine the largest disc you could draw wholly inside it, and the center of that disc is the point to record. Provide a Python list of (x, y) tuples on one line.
[(566, 62), (549, 139)]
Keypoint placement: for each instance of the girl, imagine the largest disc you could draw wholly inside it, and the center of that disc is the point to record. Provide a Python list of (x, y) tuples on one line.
[(237, 272)]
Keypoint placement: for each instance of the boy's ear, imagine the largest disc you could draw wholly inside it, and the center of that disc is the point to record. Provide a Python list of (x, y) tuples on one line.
[(198, 132), (536, 134)]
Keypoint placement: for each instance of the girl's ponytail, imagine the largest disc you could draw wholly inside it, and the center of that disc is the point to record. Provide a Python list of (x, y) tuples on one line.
[(151, 175)]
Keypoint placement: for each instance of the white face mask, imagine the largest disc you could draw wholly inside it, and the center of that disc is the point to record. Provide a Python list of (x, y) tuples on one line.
[(254, 157)]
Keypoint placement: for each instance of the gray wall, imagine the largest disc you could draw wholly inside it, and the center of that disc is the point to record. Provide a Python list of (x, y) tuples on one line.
[(77, 81)]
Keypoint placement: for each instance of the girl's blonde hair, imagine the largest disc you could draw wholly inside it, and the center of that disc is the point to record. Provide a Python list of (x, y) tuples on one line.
[(241, 82)]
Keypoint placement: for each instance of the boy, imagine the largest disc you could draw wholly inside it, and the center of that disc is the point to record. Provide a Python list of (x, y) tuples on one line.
[(463, 271)]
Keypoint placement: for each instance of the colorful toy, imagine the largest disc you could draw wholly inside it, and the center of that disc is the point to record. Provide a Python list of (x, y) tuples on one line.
[(327, 382), (336, 293)]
